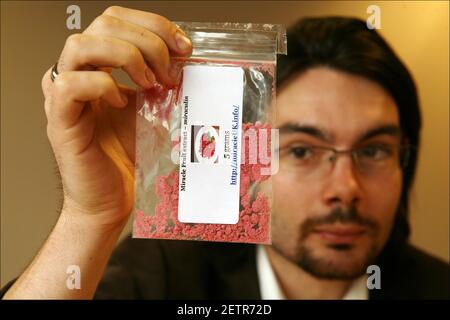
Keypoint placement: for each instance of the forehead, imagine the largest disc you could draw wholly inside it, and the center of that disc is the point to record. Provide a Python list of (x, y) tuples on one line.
[(344, 105)]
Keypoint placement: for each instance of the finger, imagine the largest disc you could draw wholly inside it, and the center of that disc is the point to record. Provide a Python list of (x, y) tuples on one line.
[(152, 47), (71, 91), (46, 83), (174, 37), (85, 50)]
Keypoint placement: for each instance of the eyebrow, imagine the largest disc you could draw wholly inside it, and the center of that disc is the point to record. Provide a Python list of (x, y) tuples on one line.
[(388, 129), (291, 128)]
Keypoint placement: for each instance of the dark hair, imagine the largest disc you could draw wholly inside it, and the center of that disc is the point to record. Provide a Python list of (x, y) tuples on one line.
[(346, 44)]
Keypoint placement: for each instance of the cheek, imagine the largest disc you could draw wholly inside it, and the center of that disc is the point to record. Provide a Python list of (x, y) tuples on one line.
[(383, 199), (289, 210), (292, 199)]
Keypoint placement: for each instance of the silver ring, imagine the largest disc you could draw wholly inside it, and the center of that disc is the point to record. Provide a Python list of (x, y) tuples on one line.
[(54, 72)]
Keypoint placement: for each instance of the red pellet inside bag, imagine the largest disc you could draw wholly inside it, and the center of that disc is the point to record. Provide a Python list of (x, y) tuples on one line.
[(205, 150)]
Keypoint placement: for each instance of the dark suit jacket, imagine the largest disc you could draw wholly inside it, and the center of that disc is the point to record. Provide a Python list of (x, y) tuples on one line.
[(165, 269)]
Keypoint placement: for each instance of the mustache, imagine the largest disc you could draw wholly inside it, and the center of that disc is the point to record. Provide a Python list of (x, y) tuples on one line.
[(349, 215)]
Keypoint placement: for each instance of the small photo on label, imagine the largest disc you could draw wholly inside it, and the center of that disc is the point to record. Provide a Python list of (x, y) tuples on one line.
[(204, 140)]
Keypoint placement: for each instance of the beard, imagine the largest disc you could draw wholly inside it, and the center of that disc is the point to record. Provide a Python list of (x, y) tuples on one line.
[(326, 268), (351, 265)]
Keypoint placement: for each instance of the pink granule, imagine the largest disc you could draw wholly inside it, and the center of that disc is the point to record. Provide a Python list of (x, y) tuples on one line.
[(254, 216)]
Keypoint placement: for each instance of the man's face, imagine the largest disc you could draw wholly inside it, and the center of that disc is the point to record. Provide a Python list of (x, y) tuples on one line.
[(332, 218)]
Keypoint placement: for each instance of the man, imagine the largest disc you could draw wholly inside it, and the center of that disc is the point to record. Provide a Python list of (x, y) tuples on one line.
[(349, 125)]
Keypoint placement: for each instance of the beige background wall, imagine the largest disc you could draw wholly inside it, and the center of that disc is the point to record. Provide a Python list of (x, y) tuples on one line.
[(32, 35)]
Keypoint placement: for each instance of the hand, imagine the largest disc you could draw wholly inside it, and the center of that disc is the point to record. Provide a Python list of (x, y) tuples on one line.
[(91, 118)]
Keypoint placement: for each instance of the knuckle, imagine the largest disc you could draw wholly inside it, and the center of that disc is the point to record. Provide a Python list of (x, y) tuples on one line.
[(73, 42), (133, 55), (166, 26), (103, 22), (112, 10), (163, 22), (172, 27)]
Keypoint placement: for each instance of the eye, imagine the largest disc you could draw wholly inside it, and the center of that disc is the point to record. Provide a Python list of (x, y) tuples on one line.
[(301, 152), (375, 152)]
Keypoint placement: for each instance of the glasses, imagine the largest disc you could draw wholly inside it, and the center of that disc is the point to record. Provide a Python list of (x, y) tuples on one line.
[(374, 159)]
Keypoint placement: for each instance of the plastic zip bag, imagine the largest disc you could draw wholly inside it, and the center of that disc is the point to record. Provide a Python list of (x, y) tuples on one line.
[(205, 149)]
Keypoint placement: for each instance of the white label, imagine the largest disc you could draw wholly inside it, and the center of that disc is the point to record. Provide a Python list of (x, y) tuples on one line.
[(210, 155)]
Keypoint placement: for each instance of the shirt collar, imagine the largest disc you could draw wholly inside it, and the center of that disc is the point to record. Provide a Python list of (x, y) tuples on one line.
[(270, 289)]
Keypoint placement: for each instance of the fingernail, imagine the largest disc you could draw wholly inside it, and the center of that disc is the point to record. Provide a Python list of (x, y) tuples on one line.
[(183, 42), (150, 77)]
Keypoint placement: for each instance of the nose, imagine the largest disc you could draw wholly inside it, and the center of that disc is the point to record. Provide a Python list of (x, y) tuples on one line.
[(342, 186)]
